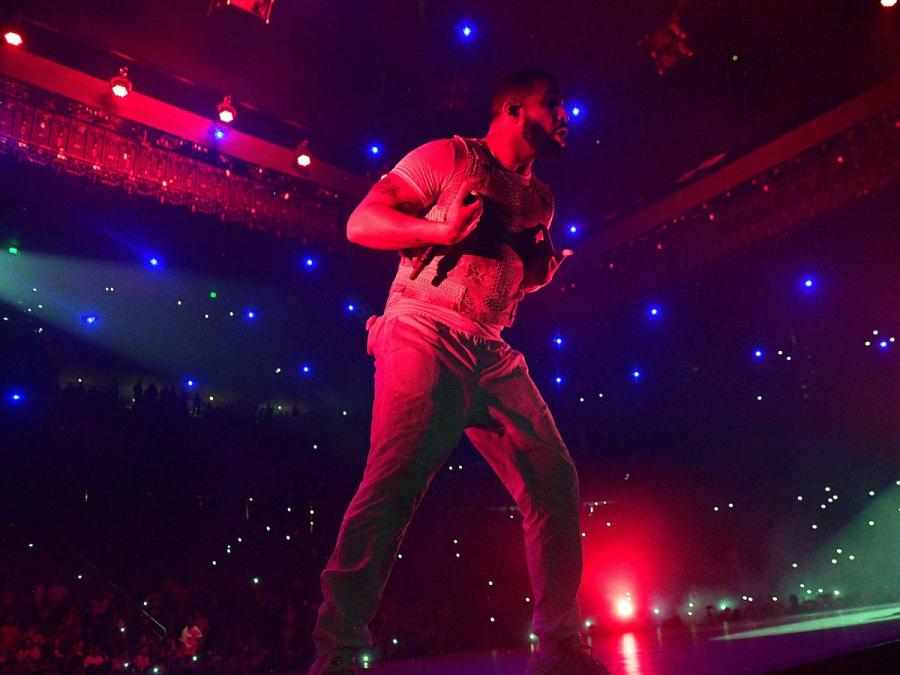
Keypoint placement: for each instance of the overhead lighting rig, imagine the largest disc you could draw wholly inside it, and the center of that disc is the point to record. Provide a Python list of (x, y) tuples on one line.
[(227, 112), (261, 9), (120, 84)]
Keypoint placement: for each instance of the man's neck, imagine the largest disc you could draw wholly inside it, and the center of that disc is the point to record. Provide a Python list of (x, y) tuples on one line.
[(511, 151)]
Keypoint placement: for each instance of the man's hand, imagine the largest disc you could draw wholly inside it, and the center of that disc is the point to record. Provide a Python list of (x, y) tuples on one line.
[(463, 214), (541, 269)]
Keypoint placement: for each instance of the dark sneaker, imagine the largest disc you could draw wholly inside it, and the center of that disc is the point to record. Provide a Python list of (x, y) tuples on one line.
[(337, 661), (570, 658)]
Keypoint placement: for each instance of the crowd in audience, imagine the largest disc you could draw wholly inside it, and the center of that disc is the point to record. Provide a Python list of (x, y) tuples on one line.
[(167, 608)]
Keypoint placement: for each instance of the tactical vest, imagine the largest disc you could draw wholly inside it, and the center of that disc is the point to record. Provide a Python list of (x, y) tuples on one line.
[(482, 277)]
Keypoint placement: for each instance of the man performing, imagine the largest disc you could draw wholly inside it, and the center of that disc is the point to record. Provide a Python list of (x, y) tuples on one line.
[(471, 223)]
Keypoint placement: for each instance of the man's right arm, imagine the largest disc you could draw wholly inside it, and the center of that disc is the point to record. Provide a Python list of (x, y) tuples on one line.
[(386, 218)]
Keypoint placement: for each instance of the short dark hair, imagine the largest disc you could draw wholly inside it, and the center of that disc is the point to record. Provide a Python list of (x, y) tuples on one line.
[(520, 82)]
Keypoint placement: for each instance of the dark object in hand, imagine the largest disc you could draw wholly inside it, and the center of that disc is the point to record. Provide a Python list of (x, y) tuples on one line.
[(423, 260)]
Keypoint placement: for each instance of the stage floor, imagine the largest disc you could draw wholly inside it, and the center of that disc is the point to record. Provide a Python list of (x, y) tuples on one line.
[(749, 648)]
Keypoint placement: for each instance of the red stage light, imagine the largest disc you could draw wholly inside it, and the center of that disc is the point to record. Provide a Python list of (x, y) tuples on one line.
[(227, 113), (120, 84), (13, 38), (888, 3), (303, 159), (624, 608)]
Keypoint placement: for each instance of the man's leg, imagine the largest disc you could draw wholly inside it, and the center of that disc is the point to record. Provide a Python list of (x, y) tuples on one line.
[(517, 436), (417, 419)]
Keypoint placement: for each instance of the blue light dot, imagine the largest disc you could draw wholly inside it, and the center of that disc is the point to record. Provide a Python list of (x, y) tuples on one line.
[(89, 319), (154, 261), (636, 374), (576, 111), (190, 383), (218, 133), (558, 380), (883, 344), (351, 308), (758, 353), (808, 283), (654, 311), (558, 341), (374, 149), (309, 262), (573, 229), (466, 31), (15, 397), (305, 369), (251, 314)]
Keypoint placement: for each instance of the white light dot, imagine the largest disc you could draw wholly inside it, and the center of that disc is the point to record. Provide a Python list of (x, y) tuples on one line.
[(815, 527), (794, 565)]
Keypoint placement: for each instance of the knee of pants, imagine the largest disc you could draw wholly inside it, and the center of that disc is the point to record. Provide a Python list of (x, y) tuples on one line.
[(554, 494), (392, 491)]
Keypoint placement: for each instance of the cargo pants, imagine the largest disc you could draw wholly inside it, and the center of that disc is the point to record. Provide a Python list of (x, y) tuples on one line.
[(432, 384)]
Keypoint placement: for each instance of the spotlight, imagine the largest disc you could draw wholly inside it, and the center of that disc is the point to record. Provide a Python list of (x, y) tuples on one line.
[(227, 113), (154, 261), (808, 283), (636, 374), (624, 608), (575, 111), (374, 149), (121, 86), (758, 354), (654, 311), (888, 3), (89, 319), (466, 31), (303, 157), (13, 38), (15, 397)]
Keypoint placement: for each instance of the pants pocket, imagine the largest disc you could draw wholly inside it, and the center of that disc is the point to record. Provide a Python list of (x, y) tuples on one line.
[(373, 327)]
